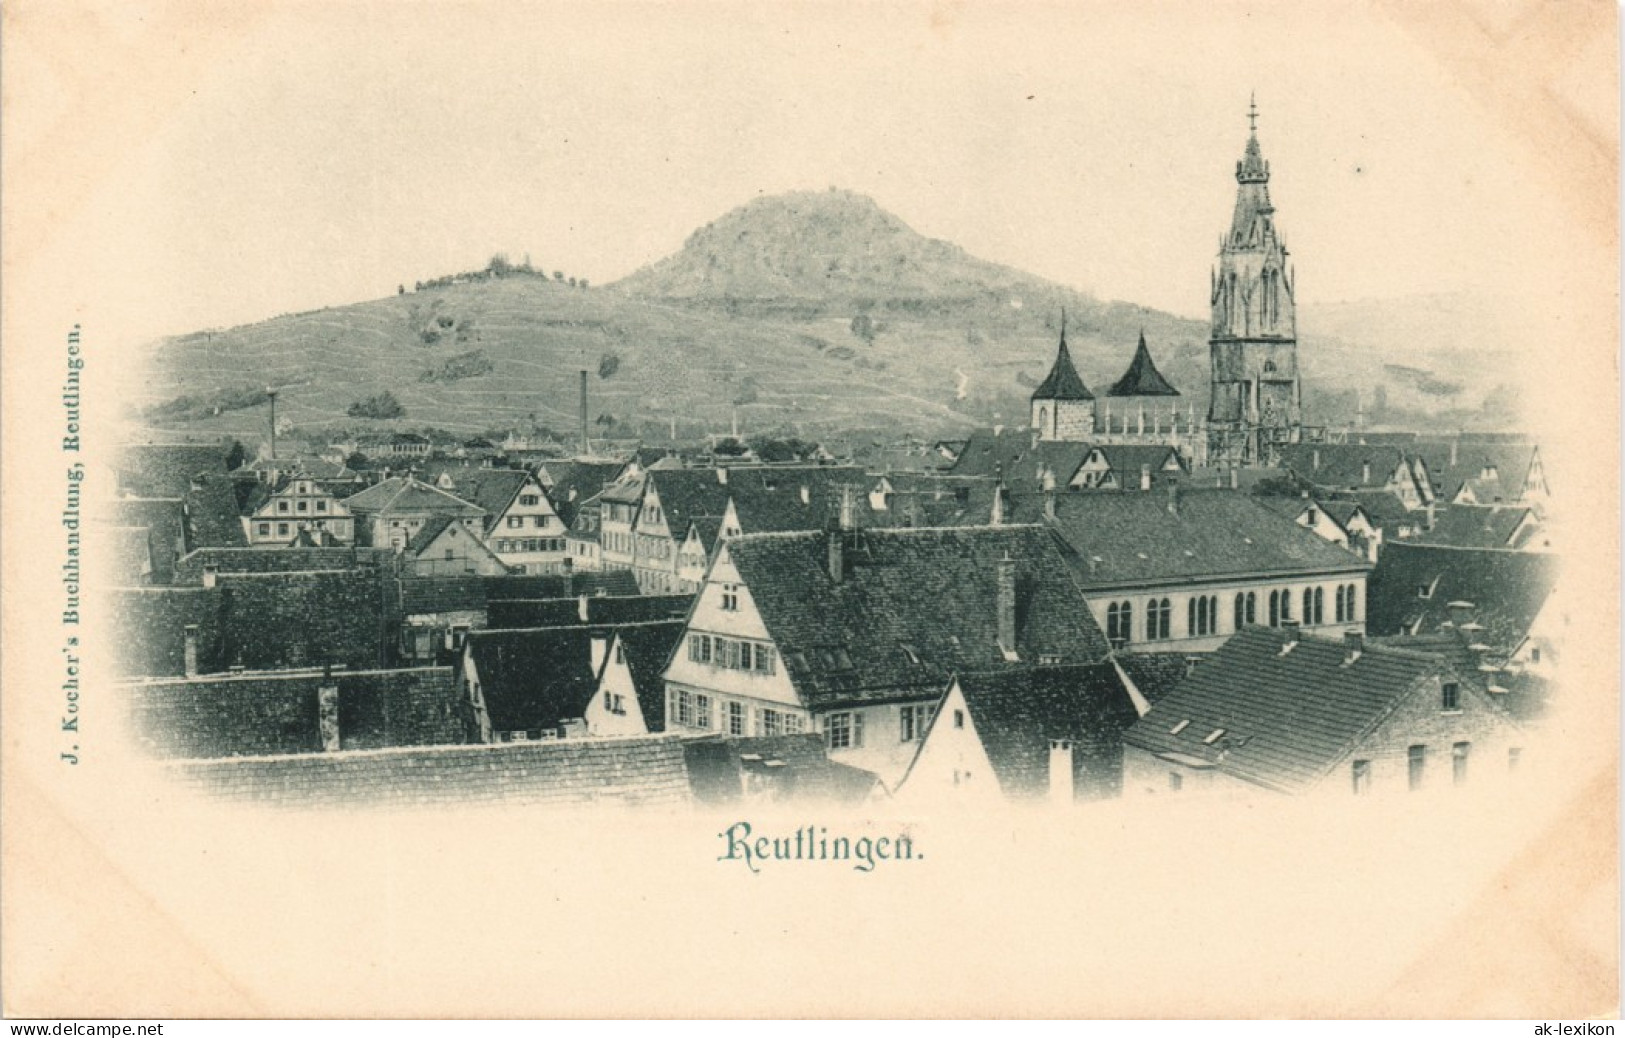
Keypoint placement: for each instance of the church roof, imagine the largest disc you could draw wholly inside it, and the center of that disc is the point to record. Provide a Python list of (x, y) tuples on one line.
[(1063, 382), (1142, 377)]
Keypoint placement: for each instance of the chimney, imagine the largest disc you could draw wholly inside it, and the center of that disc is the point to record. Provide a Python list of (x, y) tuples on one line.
[(327, 711), (1291, 628), (722, 475), (585, 450), (1049, 494), (581, 608), (1145, 477), (1430, 515), (1007, 606), (272, 394), (997, 518), (1353, 645), (1061, 789), (189, 653), (211, 575), (837, 535), (1235, 478)]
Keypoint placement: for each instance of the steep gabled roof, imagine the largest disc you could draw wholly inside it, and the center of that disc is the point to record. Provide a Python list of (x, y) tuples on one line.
[(1506, 590), (1160, 537), (493, 490), (1012, 453), (1510, 462), (1342, 466), (1282, 721), (1062, 382), (1385, 511), (1017, 714), (212, 516), (1475, 526), (165, 469), (432, 527), (1126, 459), (397, 495), (535, 679), (646, 648), (577, 481), (912, 607), (1142, 377)]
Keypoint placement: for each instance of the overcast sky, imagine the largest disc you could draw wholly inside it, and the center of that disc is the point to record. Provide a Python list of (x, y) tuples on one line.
[(230, 168)]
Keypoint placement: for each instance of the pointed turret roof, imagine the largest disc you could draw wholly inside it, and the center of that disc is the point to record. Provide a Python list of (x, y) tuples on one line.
[(1063, 382), (1142, 377)]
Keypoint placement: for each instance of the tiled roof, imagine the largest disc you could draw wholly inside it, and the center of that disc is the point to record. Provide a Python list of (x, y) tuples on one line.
[(165, 519), (1126, 459), (562, 772), (535, 679), (1155, 674), (1062, 382), (1386, 512), (558, 585), (601, 609), (1475, 526), (769, 500), (575, 482), (1016, 716), (432, 527), (1342, 466), (1510, 462), (493, 490), (460, 593), (443, 594), (647, 648), (165, 470), (1142, 377), (1133, 539), (1505, 588), (278, 560), (130, 550), (407, 496), (1016, 455), (212, 513), (1284, 720), (912, 607), (307, 465), (781, 768)]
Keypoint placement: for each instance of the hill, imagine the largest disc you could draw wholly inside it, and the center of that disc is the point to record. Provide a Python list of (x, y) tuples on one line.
[(809, 312)]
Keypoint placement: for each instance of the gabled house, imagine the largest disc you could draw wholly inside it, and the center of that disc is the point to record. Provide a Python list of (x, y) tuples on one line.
[(1483, 526), (390, 514), (532, 684), (630, 695), (1350, 467), (1019, 457), (1419, 588), (293, 502), (1128, 466), (1276, 712), (1343, 523), (521, 526), (1181, 570), (581, 541), (442, 547), (855, 633), (1484, 473), (1051, 734)]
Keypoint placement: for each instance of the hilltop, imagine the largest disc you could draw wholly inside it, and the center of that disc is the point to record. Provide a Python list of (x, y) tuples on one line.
[(809, 311)]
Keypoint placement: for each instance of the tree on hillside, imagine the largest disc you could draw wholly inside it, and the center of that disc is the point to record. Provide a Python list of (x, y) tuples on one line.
[(863, 326), (608, 364), (729, 447), (380, 405)]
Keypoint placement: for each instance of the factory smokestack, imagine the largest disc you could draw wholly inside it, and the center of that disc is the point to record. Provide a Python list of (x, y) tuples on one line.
[(585, 449)]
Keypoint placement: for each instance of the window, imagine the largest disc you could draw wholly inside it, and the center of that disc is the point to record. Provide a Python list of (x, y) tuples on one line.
[(1202, 616), (736, 718), (767, 722), (451, 553), (1417, 759), (764, 660), (614, 702), (1352, 614), (1458, 762), (321, 506), (1119, 622), (730, 597), (1275, 609), (702, 711), (1340, 613), (282, 508), (1452, 696), (529, 499), (1157, 615), (265, 531), (282, 529), (1534, 654), (1362, 777), (1252, 608), (959, 718), (792, 724), (843, 731), (914, 720), (699, 648), (516, 522)]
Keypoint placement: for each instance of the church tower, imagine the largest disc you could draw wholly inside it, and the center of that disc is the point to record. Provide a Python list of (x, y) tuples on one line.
[(1062, 406), (1257, 401)]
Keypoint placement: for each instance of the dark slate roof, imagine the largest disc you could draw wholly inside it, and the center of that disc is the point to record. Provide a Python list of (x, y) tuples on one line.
[(685, 495), (491, 489), (1133, 539), (1126, 459), (1286, 720), (1142, 377), (1016, 455), (647, 649), (444, 594), (1386, 512), (165, 469), (1155, 674), (306, 465), (601, 609), (1016, 716), (1342, 465), (397, 496), (769, 499), (1219, 476), (1475, 526), (558, 585), (278, 560), (577, 481), (213, 517), (432, 527), (165, 519), (912, 607), (783, 767), (130, 550), (1062, 382), (649, 772), (1510, 462), (535, 679), (1505, 588)]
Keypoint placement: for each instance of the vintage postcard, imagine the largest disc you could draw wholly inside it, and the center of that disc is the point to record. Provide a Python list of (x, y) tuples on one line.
[(917, 509)]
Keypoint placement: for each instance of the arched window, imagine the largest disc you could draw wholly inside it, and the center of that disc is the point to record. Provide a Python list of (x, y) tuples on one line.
[(1275, 609), (1252, 608), (1043, 418), (1286, 606), (1119, 622), (1158, 613), (1241, 610), (1192, 621), (1339, 613), (1320, 605), (1353, 613), (1308, 606)]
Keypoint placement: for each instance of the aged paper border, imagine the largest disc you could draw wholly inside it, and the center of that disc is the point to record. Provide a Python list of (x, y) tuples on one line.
[(126, 899)]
